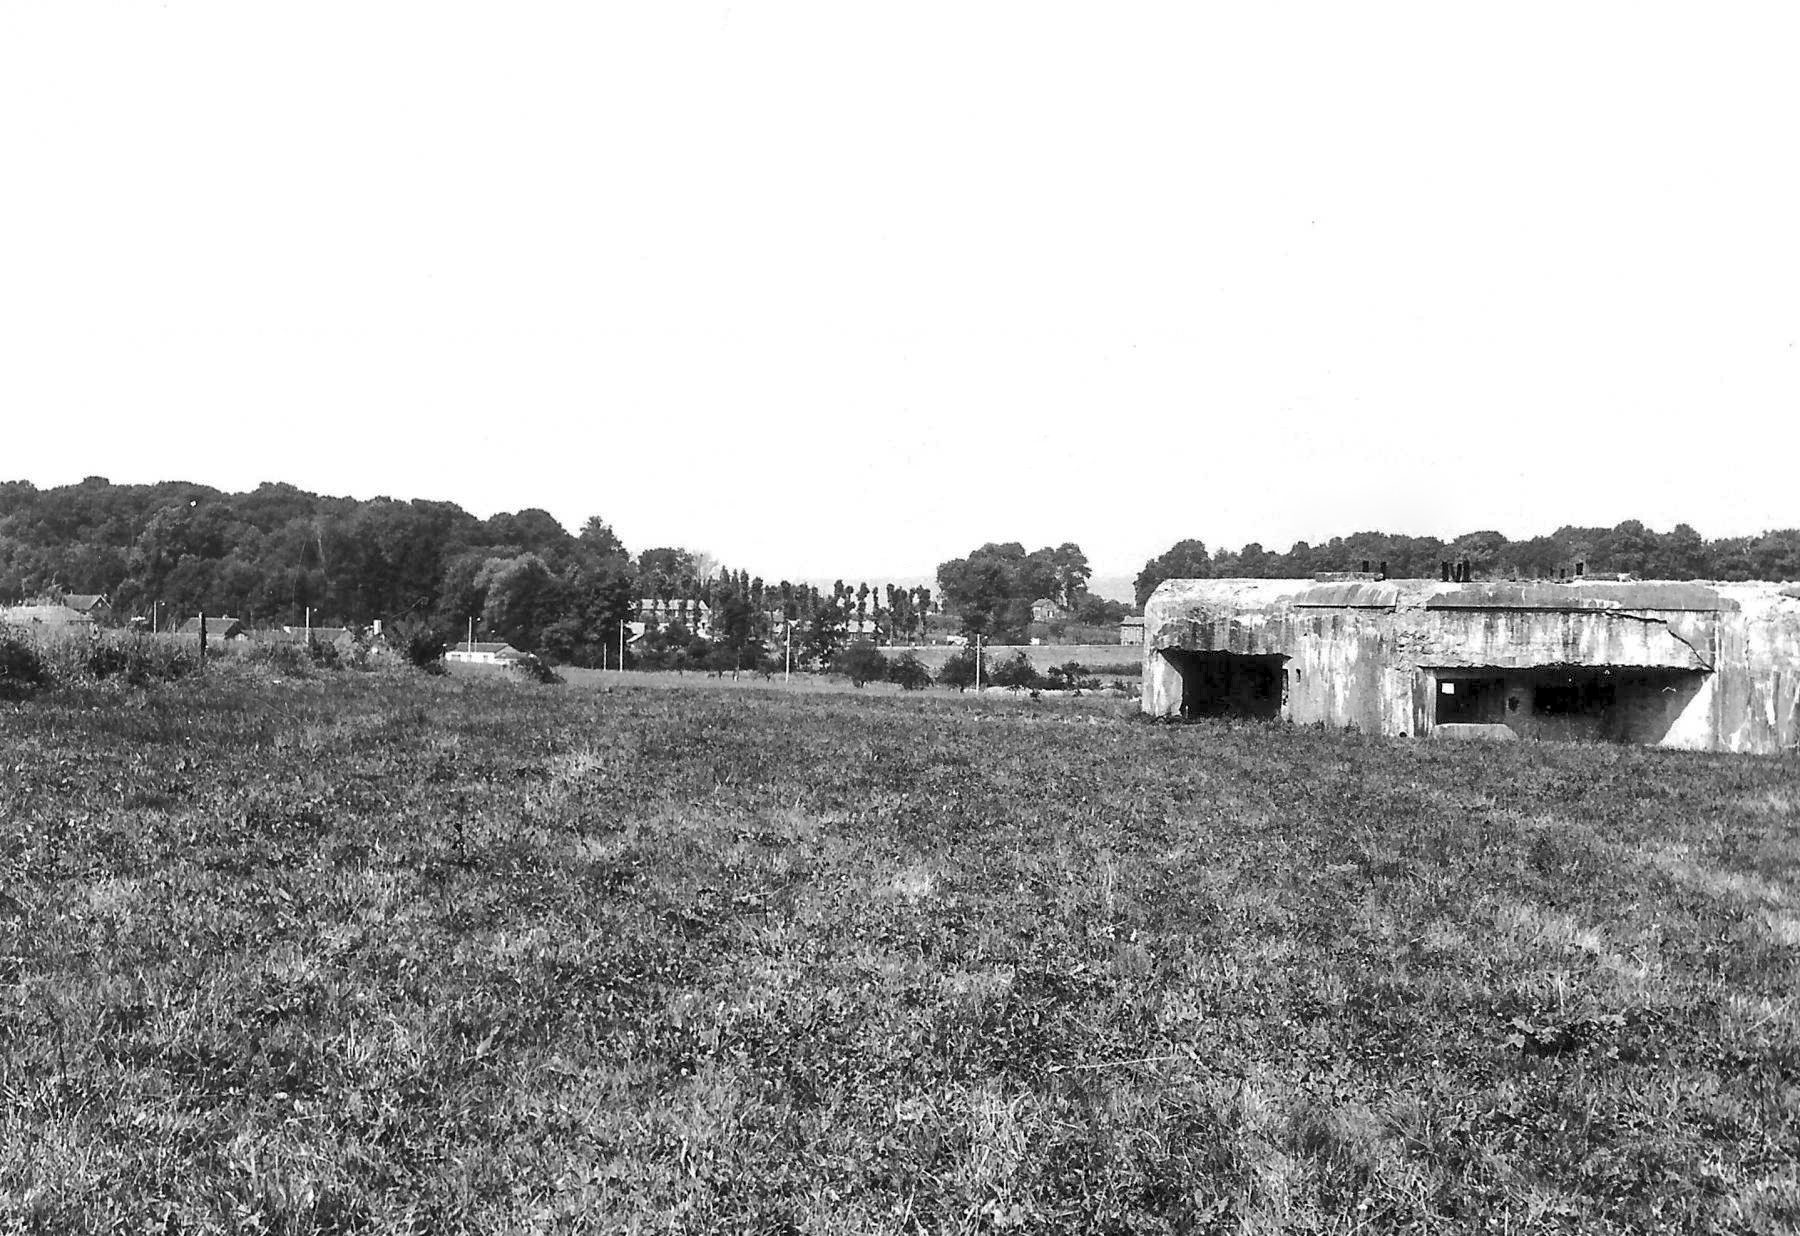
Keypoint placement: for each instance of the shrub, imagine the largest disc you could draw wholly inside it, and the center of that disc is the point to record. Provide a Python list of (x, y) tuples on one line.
[(860, 663), (149, 658), (1017, 672), (23, 672), (287, 658), (531, 668), (1073, 677), (1111, 669), (909, 672), (28, 664), (107, 658), (959, 670), (421, 645)]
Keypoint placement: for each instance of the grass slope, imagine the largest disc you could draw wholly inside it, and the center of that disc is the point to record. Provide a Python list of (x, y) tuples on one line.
[(372, 953)]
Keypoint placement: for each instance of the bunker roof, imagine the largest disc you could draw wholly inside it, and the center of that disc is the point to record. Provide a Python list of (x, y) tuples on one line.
[(1578, 595)]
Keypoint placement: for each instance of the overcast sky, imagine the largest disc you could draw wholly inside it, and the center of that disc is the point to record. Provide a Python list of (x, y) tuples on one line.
[(847, 289)]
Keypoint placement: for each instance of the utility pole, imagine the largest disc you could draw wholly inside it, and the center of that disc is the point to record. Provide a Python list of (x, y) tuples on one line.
[(621, 648), (978, 665), (787, 671), (471, 636)]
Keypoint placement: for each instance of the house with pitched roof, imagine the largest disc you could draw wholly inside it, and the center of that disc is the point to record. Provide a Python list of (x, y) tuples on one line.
[(218, 626), (45, 618), (95, 605)]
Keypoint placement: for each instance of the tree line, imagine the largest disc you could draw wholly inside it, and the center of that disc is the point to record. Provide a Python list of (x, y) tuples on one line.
[(277, 555), (1630, 547)]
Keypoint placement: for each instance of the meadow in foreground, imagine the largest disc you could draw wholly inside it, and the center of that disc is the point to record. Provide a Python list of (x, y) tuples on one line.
[(372, 952)]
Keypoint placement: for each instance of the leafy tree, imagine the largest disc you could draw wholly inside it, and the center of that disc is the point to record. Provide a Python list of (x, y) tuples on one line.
[(861, 662), (531, 531), (1182, 560), (597, 537), (959, 670), (1776, 555), (1098, 611), (1072, 573), (734, 621), (523, 598), (825, 632), (1680, 554), (909, 672), (596, 599), (664, 565), (992, 589), (1485, 552), (462, 594)]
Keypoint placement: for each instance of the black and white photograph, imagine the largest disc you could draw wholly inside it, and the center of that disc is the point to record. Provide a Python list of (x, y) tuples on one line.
[(825, 619)]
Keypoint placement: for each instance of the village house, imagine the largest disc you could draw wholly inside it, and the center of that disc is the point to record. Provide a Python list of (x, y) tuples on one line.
[(1131, 630), (95, 605), (694, 616), (1046, 610), (341, 636), (1701, 666), (218, 626), (46, 618), (479, 652)]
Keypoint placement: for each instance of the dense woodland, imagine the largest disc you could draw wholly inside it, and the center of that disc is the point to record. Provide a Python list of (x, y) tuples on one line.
[(271, 555), (274, 553)]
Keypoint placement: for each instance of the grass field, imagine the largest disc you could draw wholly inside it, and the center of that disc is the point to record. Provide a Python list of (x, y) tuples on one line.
[(375, 952)]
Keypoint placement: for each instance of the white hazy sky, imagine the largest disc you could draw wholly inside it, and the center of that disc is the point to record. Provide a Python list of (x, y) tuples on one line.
[(848, 289)]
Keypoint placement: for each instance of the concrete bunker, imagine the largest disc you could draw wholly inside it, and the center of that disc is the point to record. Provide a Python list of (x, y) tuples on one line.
[(1702, 666), (1229, 684)]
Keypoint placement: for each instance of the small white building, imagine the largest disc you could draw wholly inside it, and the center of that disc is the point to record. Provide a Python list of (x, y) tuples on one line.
[(45, 617), (479, 652)]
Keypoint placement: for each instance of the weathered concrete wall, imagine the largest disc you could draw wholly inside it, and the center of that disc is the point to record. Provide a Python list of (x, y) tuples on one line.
[(1757, 704), (1709, 667)]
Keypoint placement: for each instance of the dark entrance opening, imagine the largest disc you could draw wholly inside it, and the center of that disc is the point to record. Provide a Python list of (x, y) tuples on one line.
[(1606, 703), (1568, 702), (1227, 684), (1470, 701)]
